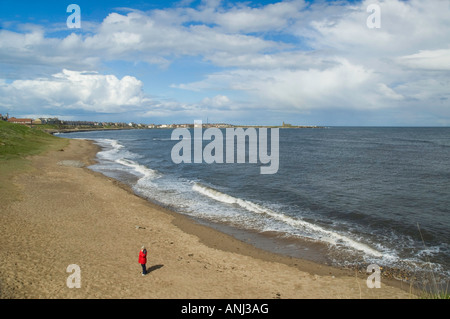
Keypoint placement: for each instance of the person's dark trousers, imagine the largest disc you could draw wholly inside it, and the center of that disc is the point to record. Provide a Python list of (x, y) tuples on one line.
[(144, 269)]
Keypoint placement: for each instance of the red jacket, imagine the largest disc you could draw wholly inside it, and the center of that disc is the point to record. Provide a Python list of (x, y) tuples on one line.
[(143, 257)]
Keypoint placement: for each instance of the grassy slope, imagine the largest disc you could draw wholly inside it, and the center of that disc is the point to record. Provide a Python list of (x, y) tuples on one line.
[(16, 143)]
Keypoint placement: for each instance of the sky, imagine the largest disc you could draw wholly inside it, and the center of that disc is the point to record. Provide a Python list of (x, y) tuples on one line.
[(328, 63)]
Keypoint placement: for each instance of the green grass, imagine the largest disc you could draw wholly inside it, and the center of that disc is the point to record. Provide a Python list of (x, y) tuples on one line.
[(17, 142)]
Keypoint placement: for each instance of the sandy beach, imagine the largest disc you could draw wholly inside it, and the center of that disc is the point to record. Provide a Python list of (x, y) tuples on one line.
[(68, 214)]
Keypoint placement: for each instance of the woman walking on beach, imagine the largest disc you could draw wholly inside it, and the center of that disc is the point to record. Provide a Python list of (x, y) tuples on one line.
[(143, 260)]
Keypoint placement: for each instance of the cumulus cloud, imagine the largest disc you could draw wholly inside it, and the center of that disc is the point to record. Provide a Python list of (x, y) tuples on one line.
[(88, 91)]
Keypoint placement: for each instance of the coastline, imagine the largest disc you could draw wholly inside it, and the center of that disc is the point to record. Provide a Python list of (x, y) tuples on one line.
[(55, 131), (72, 215)]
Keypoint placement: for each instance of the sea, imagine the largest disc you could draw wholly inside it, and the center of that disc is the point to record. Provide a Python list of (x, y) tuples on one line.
[(342, 196)]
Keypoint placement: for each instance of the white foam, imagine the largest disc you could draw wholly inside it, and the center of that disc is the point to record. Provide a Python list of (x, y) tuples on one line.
[(320, 233), (117, 153), (110, 142), (141, 169), (112, 151)]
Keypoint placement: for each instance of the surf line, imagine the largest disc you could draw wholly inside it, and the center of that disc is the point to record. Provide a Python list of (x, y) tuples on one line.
[(213, 152)]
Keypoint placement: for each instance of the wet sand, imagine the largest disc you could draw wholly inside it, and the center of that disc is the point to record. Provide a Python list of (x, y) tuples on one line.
[(68, 214)]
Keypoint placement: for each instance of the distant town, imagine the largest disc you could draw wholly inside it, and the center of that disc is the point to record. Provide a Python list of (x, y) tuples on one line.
[(53, 125)]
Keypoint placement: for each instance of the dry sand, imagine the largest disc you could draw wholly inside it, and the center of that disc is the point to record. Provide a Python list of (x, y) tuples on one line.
[(68, 214)]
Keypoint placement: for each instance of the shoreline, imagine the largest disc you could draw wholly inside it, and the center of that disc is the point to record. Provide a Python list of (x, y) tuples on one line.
[(87, 218), (78, 130), (312, 255)]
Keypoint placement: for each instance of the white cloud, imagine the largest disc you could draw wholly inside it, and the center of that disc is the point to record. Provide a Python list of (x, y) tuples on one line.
[(175, 109), (218, 101), (27, 52), (154, 37), (88, 91), (272, 17), (343, 85), (427, 60), (291, 60), (350, 66), (406, 26)]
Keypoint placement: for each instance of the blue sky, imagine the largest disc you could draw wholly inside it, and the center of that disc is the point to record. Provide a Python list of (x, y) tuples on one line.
[(249, 62)]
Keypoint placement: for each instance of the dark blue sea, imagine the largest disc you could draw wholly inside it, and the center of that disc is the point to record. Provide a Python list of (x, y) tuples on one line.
[(341, 196)]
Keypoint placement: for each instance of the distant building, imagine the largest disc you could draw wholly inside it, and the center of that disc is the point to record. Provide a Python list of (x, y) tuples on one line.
[(37, 122), (79, 123), (54, 121), (20, 121)]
